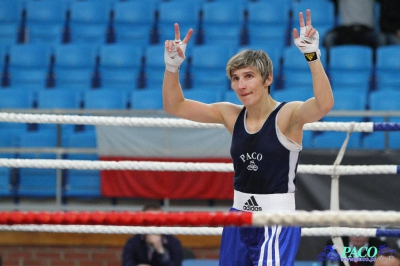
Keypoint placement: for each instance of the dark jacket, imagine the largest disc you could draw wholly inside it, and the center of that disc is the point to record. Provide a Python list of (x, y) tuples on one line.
[(373, 242), (136, 252), (389, 19)]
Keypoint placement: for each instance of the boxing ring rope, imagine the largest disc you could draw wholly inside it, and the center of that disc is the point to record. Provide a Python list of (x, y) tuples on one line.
[(209, 219), (125, 221), (128, 222), (188, 167), (176, 230), (174, 122)]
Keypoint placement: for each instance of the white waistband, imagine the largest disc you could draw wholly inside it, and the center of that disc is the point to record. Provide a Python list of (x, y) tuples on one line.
[(284, 202)]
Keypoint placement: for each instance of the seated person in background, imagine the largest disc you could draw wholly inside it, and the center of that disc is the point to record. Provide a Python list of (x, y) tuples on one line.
[(152, 249), (388, 259), (358, 242), (356, 25), (389, 21)]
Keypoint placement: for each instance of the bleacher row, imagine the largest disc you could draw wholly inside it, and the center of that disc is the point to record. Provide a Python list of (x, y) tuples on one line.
[(72, 68), (108, 54), (128, 67), (101, 21)]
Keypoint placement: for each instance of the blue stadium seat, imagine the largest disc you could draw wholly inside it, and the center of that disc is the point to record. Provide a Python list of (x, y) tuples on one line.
[(322, 14), (344, 100), (45, 21), (8, 139), (29, 65), (37, 182), (82, 183), (11, 11), (334, 140), (19, 99), (240, 3), (200, 262), (89, 21), (351, 66), (74, 66), (10, 21), (374, 141), (109, 3), (3, 55), (154, 66), (66, 99), (208, 71), (9, 34), (387, 67), (186, 14), (348, 100), (195, 2), (268, 22), (148, 99), (223, 23), (6, 189), (295, 70), (105, 99), (292, 94), (3, 64), (204, 96), (120, 66), (134, 22), (230, 96), (382, 100), (394, 137)]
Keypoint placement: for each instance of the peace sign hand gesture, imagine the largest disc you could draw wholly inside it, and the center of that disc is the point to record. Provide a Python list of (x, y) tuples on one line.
[(308, 41), (174, 54)]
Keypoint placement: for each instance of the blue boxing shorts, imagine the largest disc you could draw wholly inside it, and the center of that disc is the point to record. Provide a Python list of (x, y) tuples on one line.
[(259, 246)]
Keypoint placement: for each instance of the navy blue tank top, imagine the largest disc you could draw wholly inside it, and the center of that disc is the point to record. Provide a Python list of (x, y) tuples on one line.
[(261, 163)]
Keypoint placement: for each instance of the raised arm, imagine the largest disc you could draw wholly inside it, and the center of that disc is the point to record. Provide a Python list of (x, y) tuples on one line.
[(173, 98), (315, 108)]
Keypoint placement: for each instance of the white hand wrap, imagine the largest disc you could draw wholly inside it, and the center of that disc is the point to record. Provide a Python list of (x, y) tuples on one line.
[(309, 46), (172, 60)]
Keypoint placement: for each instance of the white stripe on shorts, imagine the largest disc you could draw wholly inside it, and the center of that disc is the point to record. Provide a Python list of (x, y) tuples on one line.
[(260, 260), (277, 254), (273, 241)]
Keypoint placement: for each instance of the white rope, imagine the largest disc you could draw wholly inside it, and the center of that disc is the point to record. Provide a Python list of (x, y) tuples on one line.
[(347, 169), (338, 231), (340, 126), (103, 120), (185, 167), (107, 229), (157, 122), (327, 218), (116, 165)]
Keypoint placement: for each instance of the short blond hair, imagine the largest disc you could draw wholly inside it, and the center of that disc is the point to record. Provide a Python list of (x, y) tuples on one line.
[(257, 59)]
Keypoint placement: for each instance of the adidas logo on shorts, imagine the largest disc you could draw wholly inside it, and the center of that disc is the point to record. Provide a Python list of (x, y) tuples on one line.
[(252, 205)]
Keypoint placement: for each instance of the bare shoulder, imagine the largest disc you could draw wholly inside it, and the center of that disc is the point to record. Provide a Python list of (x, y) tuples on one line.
[(286, 117), (289, 109), (229, 112)]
